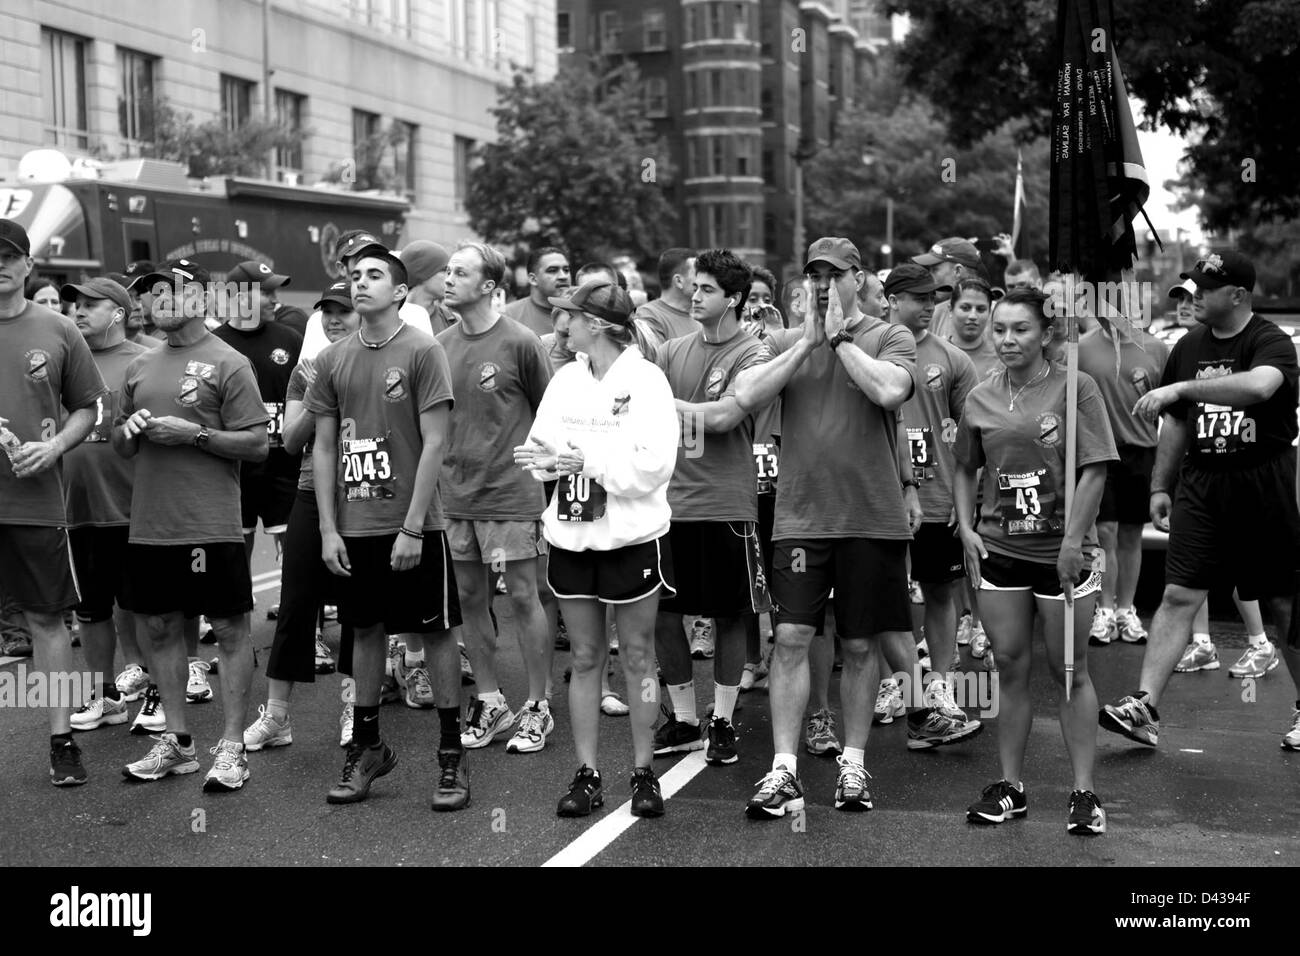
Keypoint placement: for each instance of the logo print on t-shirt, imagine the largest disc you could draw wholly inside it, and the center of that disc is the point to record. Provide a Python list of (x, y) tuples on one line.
[(487, 376), (202, 369), (280, 357), (189, 396), (38, 365), (394, 385), (714, 387), (933, 377), (621, 403), (1141, 381), (1049, 429)]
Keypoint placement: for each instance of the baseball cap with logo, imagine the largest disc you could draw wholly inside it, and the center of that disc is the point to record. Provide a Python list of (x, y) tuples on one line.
[(378, 250), (101, 287), (598, 296), (15, 236), (838, 251), (1186, 288), (340, 293), (952, 249), (186, 270), (1223, 268), (912, 278), (354, 243), (254, 271), (424, 260)]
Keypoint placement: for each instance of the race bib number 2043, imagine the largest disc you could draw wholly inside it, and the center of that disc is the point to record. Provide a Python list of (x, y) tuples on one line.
[(367, 471)]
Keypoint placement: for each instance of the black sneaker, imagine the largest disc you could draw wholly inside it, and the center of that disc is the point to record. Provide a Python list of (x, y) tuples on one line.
[(361, 767), (453, 781), (722, 742), (1087, 818), (66, 769), (585, 794), (647, 801), (999, 802), (675, 737), (561, 637), (778, 793)]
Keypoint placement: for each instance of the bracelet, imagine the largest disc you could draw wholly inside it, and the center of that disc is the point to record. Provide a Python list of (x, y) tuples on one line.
[(1158, 491), (417, 535), (911, 482)]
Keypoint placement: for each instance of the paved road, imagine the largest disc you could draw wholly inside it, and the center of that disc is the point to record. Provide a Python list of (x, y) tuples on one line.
[(1219, 791)]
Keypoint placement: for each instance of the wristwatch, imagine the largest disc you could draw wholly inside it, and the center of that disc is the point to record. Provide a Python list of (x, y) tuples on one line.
[(911, 482), (201, 439), (839, 338)]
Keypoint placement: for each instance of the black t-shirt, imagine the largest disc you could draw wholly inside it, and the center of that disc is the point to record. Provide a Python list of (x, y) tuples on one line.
[(292, 317), (1227, 437), (272, 348)]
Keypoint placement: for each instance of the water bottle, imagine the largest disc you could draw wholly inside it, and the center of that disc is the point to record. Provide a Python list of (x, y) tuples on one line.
[(9, 440)]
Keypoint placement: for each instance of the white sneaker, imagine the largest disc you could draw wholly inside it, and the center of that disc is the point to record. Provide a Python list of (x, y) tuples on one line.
[(1130, 627), (98, 712), (345, 726), (1291, 740), (197, 688), (889, 702), (324, 659), (132, 682), (419, 689), (1256, 662), (923, 654), (702, 639), (486, 722), (151, 719), (166, 757), (229, 770), (266, 731), (963, 630), (979, 642), (1198, 657), (938, 695), (535, 725), (1105, 627)]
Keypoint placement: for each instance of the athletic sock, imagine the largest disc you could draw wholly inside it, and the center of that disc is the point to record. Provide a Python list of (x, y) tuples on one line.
[(184, 740), (1257, 640), (109, 692), (724, 701), (414, 660), (449, 728), (683, 698), (279, 709), (789, 761), (57, 740), (855, 755), (1201, 638), (365, 725), (495, 698)]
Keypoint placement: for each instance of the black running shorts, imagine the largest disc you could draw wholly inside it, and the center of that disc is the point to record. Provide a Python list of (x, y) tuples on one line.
[(36, 570), (210, 579), (999, 572), (268, 497), (869, 576), (718, 569), (1127, 496), (101, 558), (936, 554), (419, 601), (623, 576)]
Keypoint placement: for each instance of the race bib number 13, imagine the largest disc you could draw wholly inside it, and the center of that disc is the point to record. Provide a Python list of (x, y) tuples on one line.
[(921, 444), (579, 499), (766, 465)]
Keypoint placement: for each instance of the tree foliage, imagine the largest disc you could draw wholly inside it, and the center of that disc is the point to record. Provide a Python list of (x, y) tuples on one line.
[(212, 149), (576, 163)]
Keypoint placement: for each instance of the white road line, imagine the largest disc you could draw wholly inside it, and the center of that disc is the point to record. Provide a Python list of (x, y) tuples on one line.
[(1184, 750), (266, 575), (267, 585), (8, 660), (585, 847)]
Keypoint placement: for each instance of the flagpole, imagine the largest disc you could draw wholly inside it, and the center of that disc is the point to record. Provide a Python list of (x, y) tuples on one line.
[(1071, 459)]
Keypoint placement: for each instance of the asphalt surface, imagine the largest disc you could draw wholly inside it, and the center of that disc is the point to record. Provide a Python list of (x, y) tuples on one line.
[(1219, 791)]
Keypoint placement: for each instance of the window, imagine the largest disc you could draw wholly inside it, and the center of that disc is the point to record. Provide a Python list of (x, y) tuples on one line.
[(530, 40), (742, 88), (404, 158), (563, 30), (63, 87), (744, 226), (744, 156), (691, 157), (765, 101), (364, 126), (692, 90), (656, 36), (611, 31), (713, 21), (693, 227), (769, 167), (236, 101), (656, 96), (715, 89), (717, 156), (717, 225), (135, 95), (769, 231), (765, 36), (289, 110), (489, 39), (464, 149), (740, 22), (401, 23)]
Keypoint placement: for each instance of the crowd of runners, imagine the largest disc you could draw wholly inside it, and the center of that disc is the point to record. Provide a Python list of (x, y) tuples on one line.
[(771, 478)]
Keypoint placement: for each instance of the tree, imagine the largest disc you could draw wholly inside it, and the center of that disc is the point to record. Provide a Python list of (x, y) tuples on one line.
[(576, 163), (1226, 73), (211, 148), (369, 169)]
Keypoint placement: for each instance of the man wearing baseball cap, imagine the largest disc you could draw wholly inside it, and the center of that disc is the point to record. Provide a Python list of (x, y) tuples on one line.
[(1228, 400), (949, 260), (45, 368), (253, 271)]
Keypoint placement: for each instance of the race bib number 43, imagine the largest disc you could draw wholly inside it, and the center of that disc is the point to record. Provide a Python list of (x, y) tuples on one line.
[(580, 499), (367, 472), (1027, 503)]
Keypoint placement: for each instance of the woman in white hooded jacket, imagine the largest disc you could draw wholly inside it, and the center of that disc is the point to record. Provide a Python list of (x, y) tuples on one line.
[(607, 429)]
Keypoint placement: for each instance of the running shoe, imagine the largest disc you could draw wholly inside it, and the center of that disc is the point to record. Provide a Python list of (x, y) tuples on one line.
[(361, 767), (1131, 718), (324, 659), (963, 629), (851, 794), (702, 639), (197, 688), (722, 743), (747, 678), (561, 637), (613, 639), (266, 731), (1291, 740), (166, 757), (273, 612), (229, 770), (419, 689), (330, 612), (612, 705), (1087, 818), (100, 712), (923, 654), (345, 725), (1257, 661), (938, 694), (453, 782), (66, 768), (819, 738), (1131, 631), (151, 719), (1105, 627), (647, 798), (487, 721), (914, 592), (132, 682), (937, 729), (16, 645), (979, 643), (889, 702), (466, 672), (390, 690), (585, 794), (778, 793), (206, 634), (1198, 657), (535, 725), (676, 737), (998, 803)]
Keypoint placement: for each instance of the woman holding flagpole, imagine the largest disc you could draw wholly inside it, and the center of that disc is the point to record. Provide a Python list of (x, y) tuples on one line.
[(1023, 555)]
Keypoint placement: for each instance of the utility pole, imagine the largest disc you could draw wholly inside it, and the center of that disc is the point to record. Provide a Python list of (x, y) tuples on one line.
[(268, 97)]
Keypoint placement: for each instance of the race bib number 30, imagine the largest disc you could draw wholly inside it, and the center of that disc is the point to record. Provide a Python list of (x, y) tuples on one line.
[(275, 426), (921, 443), (1027, 503), (766, 465), (580, 499), (367, 472)]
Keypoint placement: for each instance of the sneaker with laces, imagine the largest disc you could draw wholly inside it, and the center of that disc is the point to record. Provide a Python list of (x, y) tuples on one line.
[(702, 639), (361, 767), (939, 695), (16, 645), (166, 757), (778, 793), (1257, 661), (747, 678), (419, 688), (132, 682), (819, 738), (66, 768), (1291, 739), (851, 794), (1130, 627), (151, 719), (466, 672), (979, 642), (647, 798), (1131, 718), (197, 688), (1198, 656), (345, 725), (998, 803), (266, 731), (229, 770), (722, 743), (612, 705), (535, 725), (677, 737), (937, 729), (453, 782), (1105, 627), (585, 794), (100, 712), (963, 630), (889, 702), (1087, 818), (923, 654), (486, 722), (324, 659)]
